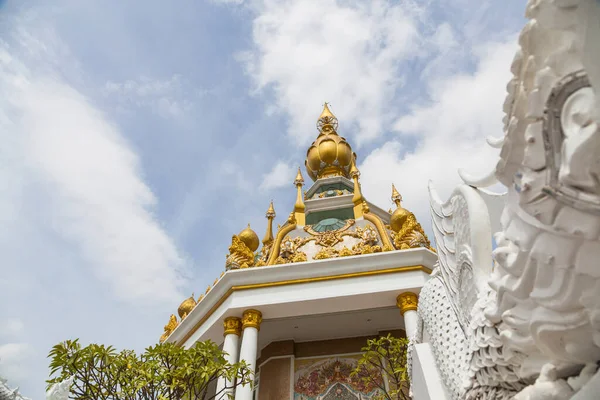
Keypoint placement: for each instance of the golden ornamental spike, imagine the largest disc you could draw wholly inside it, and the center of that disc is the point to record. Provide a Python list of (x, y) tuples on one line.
[(299, 181), (327, 121), (271, 211), (396, 196), (270, 215), (299, 207)]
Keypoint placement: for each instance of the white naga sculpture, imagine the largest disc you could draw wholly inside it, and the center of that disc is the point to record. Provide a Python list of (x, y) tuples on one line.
[(523, 321), (7, 393), (60, 391)]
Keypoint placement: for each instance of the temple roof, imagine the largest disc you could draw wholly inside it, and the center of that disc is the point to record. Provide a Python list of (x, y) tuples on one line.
[(332, 219)]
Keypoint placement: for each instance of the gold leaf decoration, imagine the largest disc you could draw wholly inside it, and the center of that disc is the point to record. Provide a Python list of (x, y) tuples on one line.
[(240, 256), (169, 328)]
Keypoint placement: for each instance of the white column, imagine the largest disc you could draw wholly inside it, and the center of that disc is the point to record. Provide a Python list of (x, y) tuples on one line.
[(251, 324), (233, 330), (407, 303)]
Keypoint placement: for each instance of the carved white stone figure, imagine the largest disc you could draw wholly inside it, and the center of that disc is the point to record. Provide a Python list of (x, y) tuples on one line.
[(6, 393), (60, 391), (527, 324)]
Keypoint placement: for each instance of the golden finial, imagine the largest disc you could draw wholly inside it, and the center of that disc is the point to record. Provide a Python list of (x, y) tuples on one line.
[(327, 122), (207, 290), (270, 215), (222, 273), (271, 211), (216, 281), (396, 197), (299, 179), (200, 298), (326, 112), (299, 206)]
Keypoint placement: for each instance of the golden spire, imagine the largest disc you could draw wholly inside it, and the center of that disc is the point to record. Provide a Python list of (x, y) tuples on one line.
[(330, 154), (270, 215), (299, 206), (358, 198), (326, 112), (396, 197)]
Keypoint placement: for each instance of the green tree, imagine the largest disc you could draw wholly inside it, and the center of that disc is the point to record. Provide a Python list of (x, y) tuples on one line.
[(384, 359), (162, 372)]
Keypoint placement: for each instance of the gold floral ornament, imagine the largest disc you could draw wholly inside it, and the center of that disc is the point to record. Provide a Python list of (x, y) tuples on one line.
[(169, 328), (289, 252), (408, 233), (325, 253)]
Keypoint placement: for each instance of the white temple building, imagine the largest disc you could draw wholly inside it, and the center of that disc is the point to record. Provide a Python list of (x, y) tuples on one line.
[(339, 271), (519, 321)]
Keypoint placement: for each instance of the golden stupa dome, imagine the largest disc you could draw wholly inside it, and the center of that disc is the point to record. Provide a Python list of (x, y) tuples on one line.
[(399, 216), (250, 238), (330, 154), (186, 307)]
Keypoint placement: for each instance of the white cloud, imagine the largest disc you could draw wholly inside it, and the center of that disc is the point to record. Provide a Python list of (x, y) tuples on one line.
[(451, 131), (347, 54), (164, 97), (13, 357), (66, 169), (11, 327), (281, 175)]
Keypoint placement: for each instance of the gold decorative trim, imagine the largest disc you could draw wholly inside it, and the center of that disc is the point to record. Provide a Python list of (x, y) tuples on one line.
[(214, 308), (407, 301), (232, 325), (276, 245), (375, 220), (251, 319)]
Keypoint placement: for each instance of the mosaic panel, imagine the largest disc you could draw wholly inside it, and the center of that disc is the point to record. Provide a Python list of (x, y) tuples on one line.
[(329, 378)]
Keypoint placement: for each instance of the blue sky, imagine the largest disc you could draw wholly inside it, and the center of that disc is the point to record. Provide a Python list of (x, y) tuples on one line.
[(138, 137)]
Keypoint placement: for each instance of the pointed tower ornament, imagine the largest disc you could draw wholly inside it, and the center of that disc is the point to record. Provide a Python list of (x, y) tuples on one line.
[(396, 196), (299, 207), (270, 215), (330, 154), (327, 122)]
